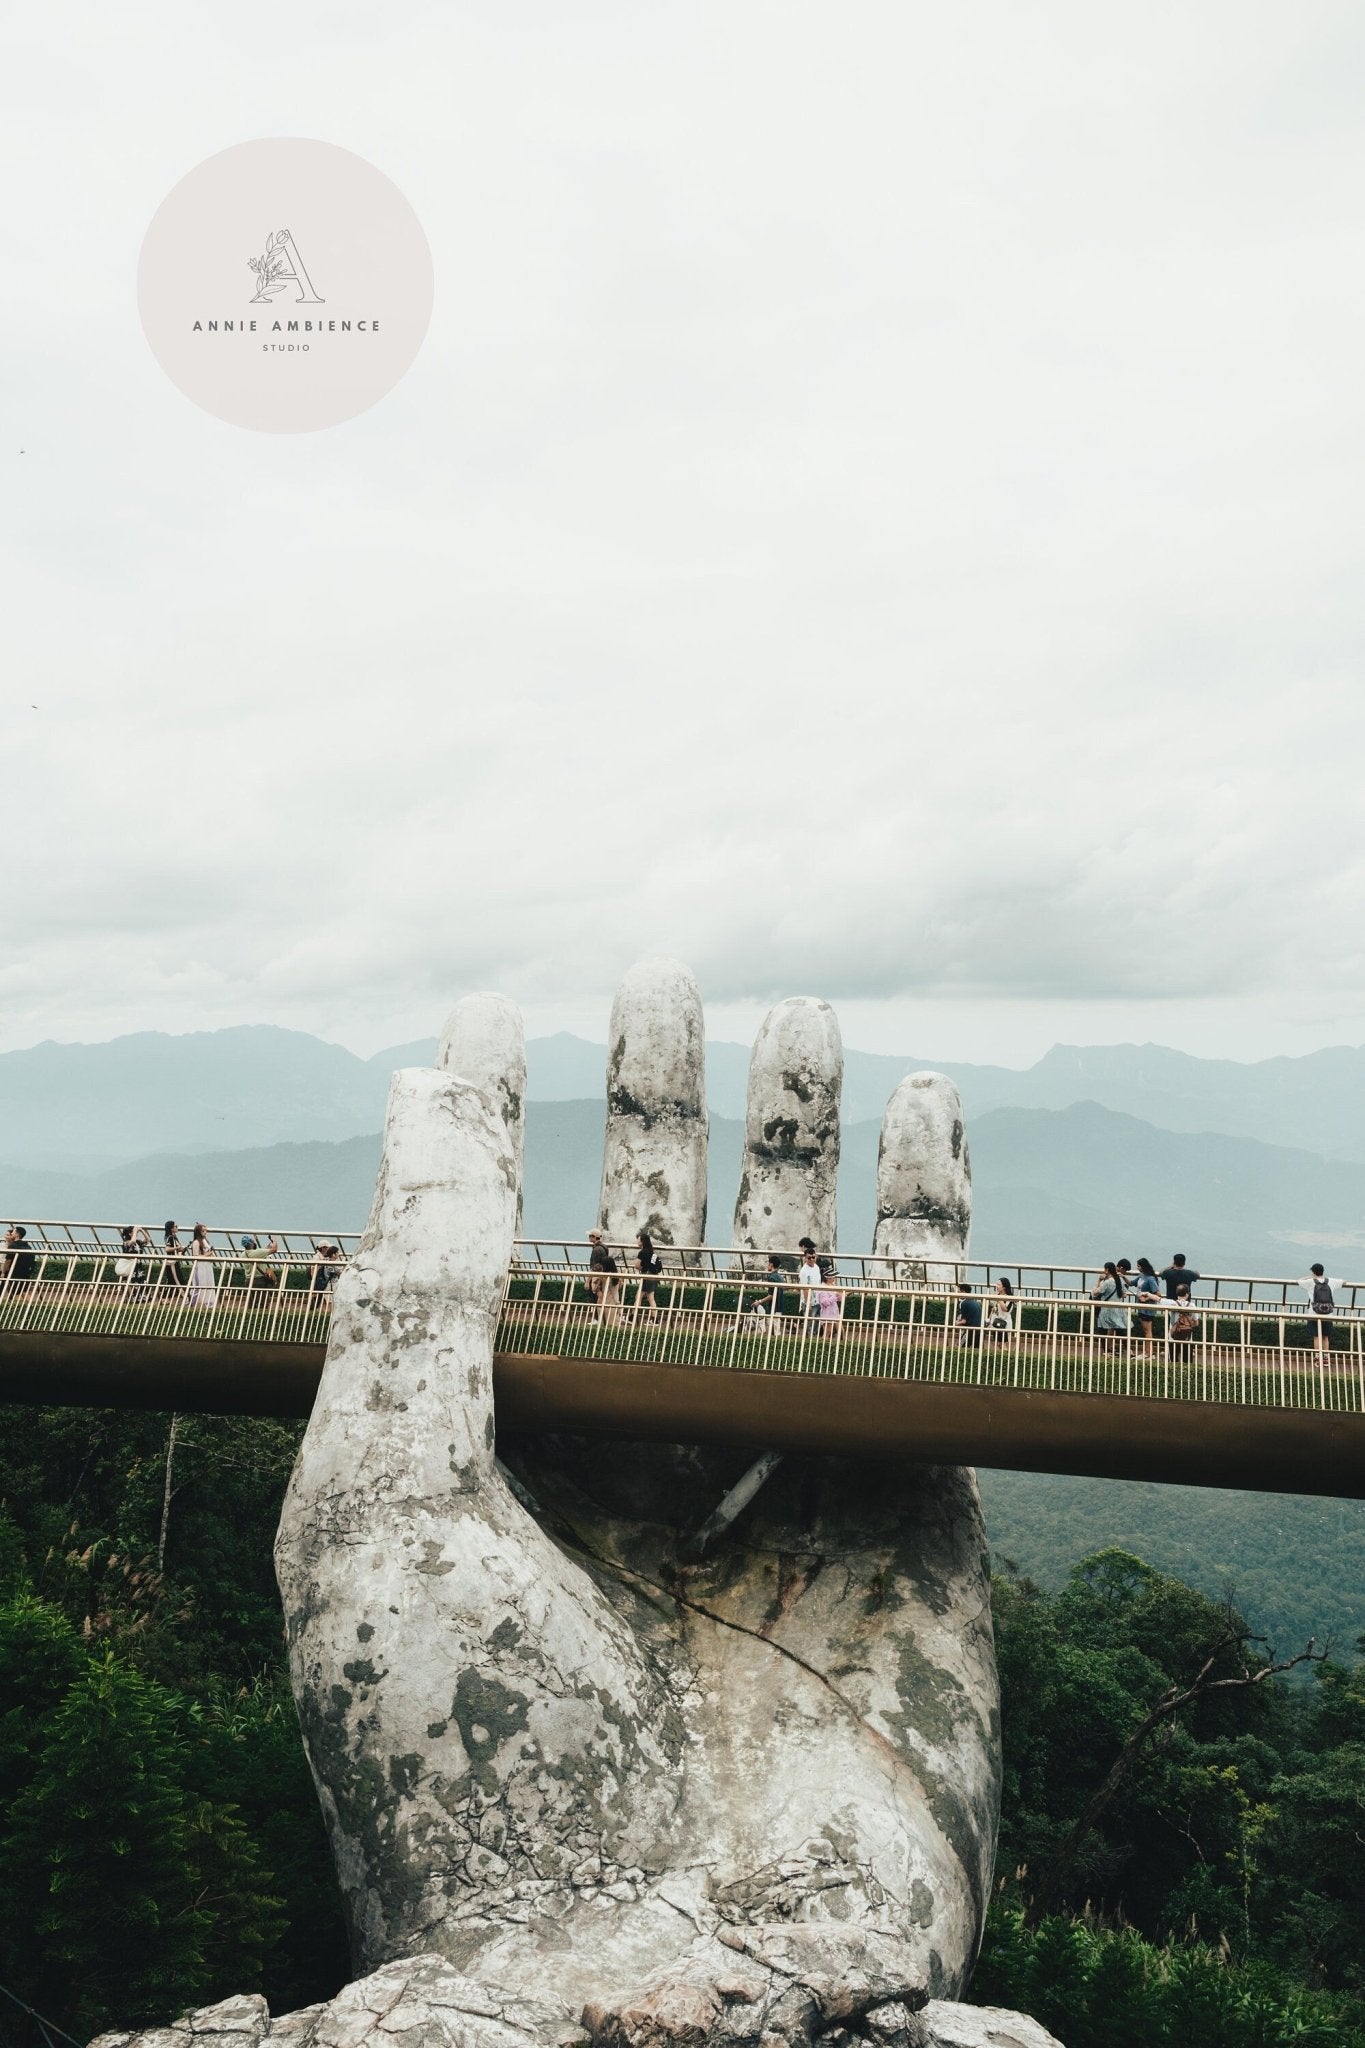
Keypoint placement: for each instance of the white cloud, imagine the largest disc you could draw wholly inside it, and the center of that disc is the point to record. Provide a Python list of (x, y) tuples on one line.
[(876, 512)]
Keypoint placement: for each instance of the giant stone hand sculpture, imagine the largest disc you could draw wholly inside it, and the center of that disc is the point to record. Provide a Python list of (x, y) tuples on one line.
[(750, 1798)]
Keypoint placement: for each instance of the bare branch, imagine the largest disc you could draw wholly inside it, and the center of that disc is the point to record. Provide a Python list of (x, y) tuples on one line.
[(1164, 1710)]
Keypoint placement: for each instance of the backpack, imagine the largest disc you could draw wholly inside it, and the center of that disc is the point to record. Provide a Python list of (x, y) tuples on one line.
[(1322, 1297)]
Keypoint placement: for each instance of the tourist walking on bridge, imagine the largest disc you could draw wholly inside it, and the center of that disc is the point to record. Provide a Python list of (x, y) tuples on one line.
[(650, 1265), (968, 1317), (1002, 1307), (203, 1282), (829, 1302), (808, 1278), (602, 1282), (769, 1303), (130, 1267), (20, 1262), (326, 1272), (1322, 1302), (170, 1245), (1184, 1325), (1112, 1320), (1148, 1289)]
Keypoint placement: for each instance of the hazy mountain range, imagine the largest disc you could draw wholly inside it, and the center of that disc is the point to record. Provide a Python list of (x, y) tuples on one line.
[(81, 1108), (1074, 1185)]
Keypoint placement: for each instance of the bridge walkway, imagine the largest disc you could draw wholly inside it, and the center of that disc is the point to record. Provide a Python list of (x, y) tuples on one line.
[(1245, 1403)]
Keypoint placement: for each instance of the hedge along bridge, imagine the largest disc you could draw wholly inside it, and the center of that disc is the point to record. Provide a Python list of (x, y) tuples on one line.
[(1245, 1403)]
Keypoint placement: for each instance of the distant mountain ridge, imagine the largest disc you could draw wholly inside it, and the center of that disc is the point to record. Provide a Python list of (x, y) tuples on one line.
[(87, 1108), (1077, 1185)]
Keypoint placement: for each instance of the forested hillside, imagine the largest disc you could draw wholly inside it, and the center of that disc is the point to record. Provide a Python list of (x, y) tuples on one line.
[(161, 1842), (1294, 1566)]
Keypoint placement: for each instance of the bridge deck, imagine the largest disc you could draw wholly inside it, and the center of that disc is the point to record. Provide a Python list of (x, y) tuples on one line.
[(890, 1376)]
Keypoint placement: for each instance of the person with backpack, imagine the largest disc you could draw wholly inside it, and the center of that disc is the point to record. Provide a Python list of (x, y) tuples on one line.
[(649, 1266), (1184, 1325), (1322, 1301)]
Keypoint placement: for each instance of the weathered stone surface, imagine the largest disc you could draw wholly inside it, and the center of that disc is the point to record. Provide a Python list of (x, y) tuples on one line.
[(420, 2002), (654, 1154), (738, 1991), (924, 1179), (242, 2022), (484, 1041), (984, 2026), (791, 1129), (463, 1688), (546, 1749), (787, 1987)]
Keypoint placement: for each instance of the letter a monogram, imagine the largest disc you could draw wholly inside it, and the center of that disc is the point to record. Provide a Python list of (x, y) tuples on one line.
[(281, 266)]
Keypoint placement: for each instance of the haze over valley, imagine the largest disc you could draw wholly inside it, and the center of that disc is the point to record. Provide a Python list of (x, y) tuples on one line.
[(1091, 1152)]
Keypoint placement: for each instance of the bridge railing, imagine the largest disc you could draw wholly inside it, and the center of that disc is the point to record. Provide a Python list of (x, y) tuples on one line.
[(90, 1240), (1031, 1279), (259, 1297), (1253, 1355), (1247, 1354)]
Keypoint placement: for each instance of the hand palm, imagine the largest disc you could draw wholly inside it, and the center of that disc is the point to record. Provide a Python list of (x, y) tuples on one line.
[(549, 1749)]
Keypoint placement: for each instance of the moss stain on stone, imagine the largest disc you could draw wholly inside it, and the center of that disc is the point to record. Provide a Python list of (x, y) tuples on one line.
[(487, 1714)]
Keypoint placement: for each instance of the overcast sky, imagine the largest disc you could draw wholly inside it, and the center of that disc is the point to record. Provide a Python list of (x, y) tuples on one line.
[(878, 514)]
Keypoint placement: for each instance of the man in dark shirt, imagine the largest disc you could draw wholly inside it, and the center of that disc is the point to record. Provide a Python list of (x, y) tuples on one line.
[(968, 1316), (22, 1262), (1177, 1275), (770, 1303)]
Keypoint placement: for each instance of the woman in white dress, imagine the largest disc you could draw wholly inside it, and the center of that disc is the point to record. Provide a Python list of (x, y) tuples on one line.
[(203, 1286)]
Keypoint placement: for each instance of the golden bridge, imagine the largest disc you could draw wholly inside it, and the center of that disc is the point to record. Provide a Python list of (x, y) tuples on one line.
[(724, 1351)]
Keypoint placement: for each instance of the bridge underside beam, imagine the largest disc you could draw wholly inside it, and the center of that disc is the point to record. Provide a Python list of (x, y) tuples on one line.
[(196, 1376), (1102, 1436)]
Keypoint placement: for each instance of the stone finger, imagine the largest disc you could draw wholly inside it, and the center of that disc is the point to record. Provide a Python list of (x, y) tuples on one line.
[(484, 1041), (654, 1149), (924, 1180), (789, 1179)]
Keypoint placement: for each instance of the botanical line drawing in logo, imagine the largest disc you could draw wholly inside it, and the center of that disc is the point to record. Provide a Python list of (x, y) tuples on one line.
[(273, 355), (281, 265)]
